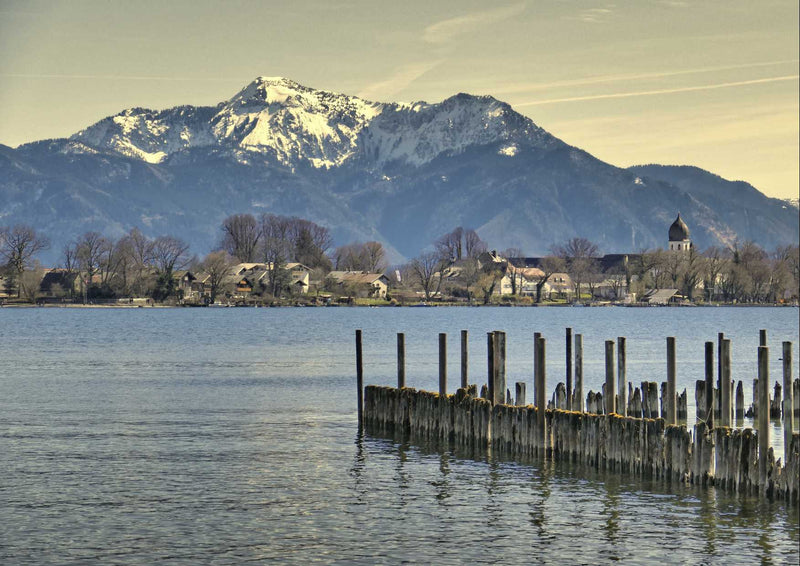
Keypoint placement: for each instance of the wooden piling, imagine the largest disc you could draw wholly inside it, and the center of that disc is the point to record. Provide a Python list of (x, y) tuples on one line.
[(360, 378), (464, 359), (718, 397), (401, 360), (490, 363), (739, 402), (540, 391), (762, 337), (536, 336), (578, 372), (610, 393), (725, 382), (499, 369), (622, 377), (520, 398), (788, 420), (763, 416), (671, 416), (442, 364), (709, 408), (569, 367)]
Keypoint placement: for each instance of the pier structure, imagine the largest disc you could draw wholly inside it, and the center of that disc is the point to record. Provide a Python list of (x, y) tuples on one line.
[(623, 428)]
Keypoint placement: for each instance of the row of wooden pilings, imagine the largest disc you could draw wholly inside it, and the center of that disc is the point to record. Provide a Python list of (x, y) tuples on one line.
[(608, 437)]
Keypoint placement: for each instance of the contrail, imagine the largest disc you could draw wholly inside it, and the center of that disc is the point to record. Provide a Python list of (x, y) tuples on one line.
[(116, 77), (636, 77), (660, 91)]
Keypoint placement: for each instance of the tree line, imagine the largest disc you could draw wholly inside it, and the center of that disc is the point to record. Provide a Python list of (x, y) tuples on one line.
[(457, 265)]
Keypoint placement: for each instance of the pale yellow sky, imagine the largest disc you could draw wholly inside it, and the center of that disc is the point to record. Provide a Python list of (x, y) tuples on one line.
[(711, 83)]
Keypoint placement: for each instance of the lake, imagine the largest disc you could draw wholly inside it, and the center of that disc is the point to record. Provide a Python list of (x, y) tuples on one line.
[(197, 436)]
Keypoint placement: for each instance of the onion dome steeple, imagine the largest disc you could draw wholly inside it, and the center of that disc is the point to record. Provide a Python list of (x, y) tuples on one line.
[(679, 235)]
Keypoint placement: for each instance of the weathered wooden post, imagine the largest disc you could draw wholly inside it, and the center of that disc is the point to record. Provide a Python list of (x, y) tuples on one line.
[(762, 337), (490, 362), (520, 397), (610, 393), (569, 368), (739, 402), (360, 378), (763, 415), (709, 408), (671, 385), (464, 360), (622, 378), (540, 391), (499, 370), (442, 364), (401, 360), (579, 372), (718, 397), (725, 381), (788, 427)]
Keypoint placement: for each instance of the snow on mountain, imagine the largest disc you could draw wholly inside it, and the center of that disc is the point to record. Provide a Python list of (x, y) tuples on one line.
[(294, 124)]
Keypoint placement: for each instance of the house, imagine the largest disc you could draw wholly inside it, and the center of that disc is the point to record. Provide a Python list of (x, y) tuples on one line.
[(59, 282), (184, 282), (558, 285), (660, 296), (370, 284)]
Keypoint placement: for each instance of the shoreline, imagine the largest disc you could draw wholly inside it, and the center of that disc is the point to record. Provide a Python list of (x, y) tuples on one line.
[(415, 305)]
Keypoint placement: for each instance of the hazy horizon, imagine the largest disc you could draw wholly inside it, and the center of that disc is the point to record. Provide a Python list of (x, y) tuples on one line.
[(711, 84)]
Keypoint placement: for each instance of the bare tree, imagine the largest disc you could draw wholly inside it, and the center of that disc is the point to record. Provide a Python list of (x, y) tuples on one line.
[(547, 266), (240, 235), (449, 245), (427, 269), (276, 248), (715, 260), (18, 246), (141, 250), (70, 265), (580, 256), (515, 275), (469, 276), (368, 257), (89, 250), (218, 266), (374, 257), (169, 254), (473, 245)]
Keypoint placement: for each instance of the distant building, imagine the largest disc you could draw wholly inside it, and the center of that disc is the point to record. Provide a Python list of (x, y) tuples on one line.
[(679, 236), (370, 284)]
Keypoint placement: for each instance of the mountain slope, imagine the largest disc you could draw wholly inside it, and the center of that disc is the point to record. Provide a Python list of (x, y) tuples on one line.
[(402, 174)]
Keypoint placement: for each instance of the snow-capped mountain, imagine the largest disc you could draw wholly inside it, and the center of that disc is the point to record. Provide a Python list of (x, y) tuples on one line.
[(293, 124), (402, 174)]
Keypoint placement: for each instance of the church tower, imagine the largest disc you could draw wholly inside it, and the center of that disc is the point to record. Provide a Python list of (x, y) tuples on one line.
[(679, 236)]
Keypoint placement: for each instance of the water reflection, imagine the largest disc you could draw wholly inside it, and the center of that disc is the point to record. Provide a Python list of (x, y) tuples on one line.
[(443, 484), (540, 482), (611, 503), (709, 514)]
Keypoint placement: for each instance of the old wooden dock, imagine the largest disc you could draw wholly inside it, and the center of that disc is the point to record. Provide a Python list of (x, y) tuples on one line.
[(623, 428)]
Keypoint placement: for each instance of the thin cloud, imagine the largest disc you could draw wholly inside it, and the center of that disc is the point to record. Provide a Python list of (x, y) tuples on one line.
[(446, 31), (404, 76), (116, 77), (596, 15), (636, 77), (657, 92)]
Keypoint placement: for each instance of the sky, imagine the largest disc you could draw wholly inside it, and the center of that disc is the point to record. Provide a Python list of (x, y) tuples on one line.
[(707, 83)]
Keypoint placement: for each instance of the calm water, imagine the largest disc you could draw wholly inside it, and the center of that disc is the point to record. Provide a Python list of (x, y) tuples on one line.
[(222, 436)]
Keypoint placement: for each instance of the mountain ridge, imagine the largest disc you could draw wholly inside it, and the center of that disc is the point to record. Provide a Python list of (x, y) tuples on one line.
[(402, 174)]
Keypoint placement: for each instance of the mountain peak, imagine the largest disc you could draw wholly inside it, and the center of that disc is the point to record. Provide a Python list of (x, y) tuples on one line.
[(287, 122)]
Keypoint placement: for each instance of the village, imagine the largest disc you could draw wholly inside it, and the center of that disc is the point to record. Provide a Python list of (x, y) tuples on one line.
[(460, 270)]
